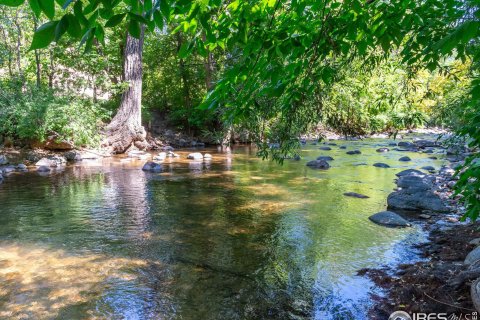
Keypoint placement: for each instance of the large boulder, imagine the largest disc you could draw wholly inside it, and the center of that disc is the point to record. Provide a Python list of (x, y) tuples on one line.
[(152, 167), (195, 156), (389, 219), (414, 200), (415, 182), (318, 164)]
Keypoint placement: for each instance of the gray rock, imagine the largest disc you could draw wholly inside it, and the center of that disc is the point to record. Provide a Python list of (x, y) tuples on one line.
[(3, 160), (354, 152), (415, 200), (325, 158), (410, 172), (22, 167), (389, 219), (325, 148), (381, 165), (426, 144), (152, 167), (161, 156), (475, 241), (332, 144), (43, 169), (405, 159), (472, 256), (195, 156), (318, 164), (475, 293), (343, 147), (297, 157), (428, 151), (33, 156), (8, 169), (207, 156), (168, 148), (415, 182), (73, 156), (45, 162), (383, 150), (429, 168), (355, 195), (424, 216), (406, 144)]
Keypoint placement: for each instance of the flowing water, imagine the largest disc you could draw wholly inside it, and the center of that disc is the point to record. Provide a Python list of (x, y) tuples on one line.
[(232, 238)]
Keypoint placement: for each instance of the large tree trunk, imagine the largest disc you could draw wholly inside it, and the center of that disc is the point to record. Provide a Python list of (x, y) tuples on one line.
[(126, 127)]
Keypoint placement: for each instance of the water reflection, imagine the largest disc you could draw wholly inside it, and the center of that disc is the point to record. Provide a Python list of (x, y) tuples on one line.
[(232, 238)]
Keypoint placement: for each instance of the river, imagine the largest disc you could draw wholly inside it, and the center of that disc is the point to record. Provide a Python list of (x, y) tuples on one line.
[(231, 238)]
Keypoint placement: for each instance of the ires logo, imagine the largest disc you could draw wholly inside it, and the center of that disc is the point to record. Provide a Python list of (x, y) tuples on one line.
[(402, 315)]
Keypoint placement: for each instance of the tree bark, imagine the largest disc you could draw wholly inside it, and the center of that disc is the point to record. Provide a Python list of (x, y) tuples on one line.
[(37, 58), (126, 127)]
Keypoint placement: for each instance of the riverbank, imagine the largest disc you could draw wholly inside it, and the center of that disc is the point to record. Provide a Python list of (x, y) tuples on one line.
[(441, 281)]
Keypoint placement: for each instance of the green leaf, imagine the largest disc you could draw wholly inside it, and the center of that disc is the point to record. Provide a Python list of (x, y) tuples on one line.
[(158, 18), (61, 28), (74, 28), (183, 52), (44, 35), (35, 6), (78, 12), (137, 17), (134, 29), (11, 3), (48, 7), (100, 34), (147, 5), (115, 20)]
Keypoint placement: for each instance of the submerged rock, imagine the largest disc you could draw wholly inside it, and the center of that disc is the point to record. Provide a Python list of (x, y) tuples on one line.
[(318, 164), (325, 158), (325, 148), (343, 147), (381, 165), (426, 144), (195, 156), (389, 219), (406, 144), (152, 167), (354, 152), (405, 159), (355, 195), (383, 150), (429, 168)]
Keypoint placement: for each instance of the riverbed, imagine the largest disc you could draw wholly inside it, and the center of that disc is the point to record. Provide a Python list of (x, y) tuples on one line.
[(234, 237)]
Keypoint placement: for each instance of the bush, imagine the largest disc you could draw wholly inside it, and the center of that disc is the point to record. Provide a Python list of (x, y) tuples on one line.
[(30, 113)]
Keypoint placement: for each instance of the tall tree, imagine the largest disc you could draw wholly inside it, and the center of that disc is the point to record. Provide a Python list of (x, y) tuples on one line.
[(126, 128)]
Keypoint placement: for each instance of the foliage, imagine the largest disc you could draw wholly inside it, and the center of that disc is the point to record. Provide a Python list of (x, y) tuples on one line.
[(31, 114)]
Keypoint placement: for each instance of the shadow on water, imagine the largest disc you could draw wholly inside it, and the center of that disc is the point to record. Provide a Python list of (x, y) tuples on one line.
[(233, 238)]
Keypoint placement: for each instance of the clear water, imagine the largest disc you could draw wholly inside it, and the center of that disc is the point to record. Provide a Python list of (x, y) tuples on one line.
[(233, 238)]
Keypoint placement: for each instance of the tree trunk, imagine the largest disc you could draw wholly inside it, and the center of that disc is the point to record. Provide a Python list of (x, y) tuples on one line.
[(37, 58), (126, 127)]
